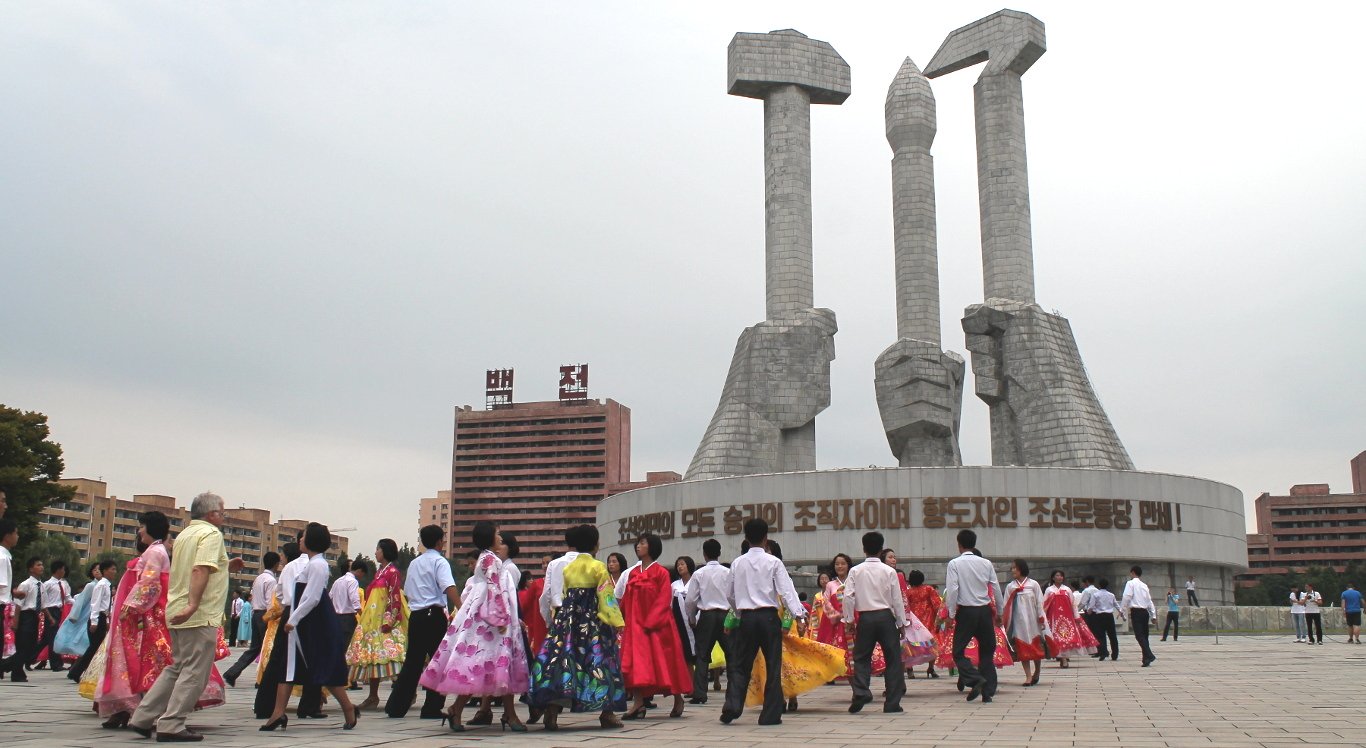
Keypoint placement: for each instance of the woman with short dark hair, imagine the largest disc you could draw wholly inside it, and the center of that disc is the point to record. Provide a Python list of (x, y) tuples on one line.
[(376, 651), (316, 655), (1024, 621), (1068, 636), (652, 660), (482, 653)]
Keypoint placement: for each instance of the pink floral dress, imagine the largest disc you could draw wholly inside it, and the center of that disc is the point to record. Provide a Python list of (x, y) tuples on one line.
[(482, 654)]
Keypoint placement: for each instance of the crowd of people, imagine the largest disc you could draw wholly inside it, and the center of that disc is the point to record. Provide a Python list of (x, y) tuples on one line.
[(587, 636)]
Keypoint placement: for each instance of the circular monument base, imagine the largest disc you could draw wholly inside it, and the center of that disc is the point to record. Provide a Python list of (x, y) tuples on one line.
[(1082, 520)]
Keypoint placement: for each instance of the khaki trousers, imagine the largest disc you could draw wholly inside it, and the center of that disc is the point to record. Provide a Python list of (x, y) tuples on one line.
[(179, 686)]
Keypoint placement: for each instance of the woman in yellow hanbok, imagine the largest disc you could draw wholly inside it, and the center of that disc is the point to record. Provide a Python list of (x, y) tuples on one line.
[(817, 616), (377, 648)]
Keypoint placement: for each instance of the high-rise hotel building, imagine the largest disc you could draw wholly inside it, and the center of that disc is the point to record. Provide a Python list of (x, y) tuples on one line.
[(533, 469)]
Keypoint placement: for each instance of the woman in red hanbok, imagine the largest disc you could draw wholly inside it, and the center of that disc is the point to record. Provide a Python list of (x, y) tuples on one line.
[(945, 627), (922, 600), (1024, 620), (842, 626), (529, 603), (652, 656), (1070, 637), (139, 641)]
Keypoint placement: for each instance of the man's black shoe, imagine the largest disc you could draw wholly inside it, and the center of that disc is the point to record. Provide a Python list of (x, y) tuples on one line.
[(975, 691), (986, 699), (858, 703), (893, 709), (770, 724), (184, 736), (230, 679), (728, 716), (145, 732)]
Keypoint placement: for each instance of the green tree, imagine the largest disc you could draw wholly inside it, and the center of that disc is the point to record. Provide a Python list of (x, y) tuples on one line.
[(120, 560), (51, 546), (30, 465), (406, 554), (340, 568)]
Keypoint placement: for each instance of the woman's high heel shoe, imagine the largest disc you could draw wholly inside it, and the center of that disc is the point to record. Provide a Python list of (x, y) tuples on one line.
[(609, 721), (282, 723), (637, 713), (117, 721), (481, 717), (355, 719), (514, 726)]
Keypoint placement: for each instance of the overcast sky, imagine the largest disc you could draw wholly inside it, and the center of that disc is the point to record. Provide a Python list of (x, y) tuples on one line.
[(264, 248)]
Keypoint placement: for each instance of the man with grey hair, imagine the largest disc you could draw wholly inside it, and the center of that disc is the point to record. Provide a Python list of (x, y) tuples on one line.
[(194, 610)]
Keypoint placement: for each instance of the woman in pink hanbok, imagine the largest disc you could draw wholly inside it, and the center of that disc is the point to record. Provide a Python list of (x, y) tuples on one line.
[(482, 654), (1069, 636), (139, 641)]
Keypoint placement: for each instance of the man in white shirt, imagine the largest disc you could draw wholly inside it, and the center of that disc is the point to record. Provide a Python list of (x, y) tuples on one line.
[(1313, 618), (101, 597), (430, 588), (27, 598), (757, 581), (56, 592), (346, 602), (1138, 606), (1297, 613), (1190, 592), (262, 592), (705, 608), (874, 592), (234, 617), (9, 537), (552, 595), (971, 594), (1102, 606)]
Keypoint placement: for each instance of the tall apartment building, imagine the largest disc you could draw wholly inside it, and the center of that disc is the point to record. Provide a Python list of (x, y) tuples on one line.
[(95, 522), (1312, 526), (534, 469)]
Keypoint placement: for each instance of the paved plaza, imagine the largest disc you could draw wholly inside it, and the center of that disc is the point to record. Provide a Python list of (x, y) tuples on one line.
[(1245, 691)]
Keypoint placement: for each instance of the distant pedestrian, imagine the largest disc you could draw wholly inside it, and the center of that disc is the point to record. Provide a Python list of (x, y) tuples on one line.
[(56, 597), (1026, 624), (1138, 606), (1190, 592), (1351, 605), (1313, 617), (1173, 624), (970, 587), (235, 608), (1297, 613), (1103, 610)]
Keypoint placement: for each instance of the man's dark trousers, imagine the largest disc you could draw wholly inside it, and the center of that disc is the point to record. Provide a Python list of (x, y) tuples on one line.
[(1173, 622), (25, 644), (759, 631), (878, 627), (709, 631), (258, 639), (1140, 620), (54, 660), (426, 629), (96, 639), (974, 622), (1105, 629)]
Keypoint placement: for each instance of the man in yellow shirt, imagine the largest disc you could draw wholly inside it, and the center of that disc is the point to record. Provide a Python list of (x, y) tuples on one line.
[(194, 611)]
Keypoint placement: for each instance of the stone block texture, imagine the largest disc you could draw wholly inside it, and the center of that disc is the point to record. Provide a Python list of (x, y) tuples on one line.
[(779, 379), (1010, 42), (919, 387), (920, 397), (1027, 368), (790, 72)]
